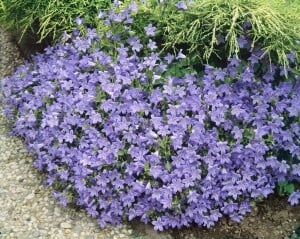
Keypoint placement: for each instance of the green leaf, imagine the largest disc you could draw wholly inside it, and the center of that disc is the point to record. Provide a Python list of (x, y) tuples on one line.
[(290, 188), (285, 188), (168, 166), (147, 168)]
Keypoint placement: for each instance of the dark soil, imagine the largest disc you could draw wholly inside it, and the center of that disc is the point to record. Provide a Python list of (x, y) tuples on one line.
[(272, 219), (28, 43)]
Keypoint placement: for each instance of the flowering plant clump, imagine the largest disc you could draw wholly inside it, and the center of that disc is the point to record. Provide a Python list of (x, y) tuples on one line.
[(119, 136)]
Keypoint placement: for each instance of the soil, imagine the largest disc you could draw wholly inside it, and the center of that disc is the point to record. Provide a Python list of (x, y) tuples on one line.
[(28, 43), (272, 219)]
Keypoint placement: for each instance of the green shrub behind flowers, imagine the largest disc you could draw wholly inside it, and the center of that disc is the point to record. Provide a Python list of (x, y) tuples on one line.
[(213, 30), (48, 18), (200, 29)]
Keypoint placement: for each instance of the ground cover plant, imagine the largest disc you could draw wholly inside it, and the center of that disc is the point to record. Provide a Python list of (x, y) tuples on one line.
[(118, 134)]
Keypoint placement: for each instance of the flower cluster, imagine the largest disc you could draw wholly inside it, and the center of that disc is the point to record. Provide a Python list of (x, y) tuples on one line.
[(120, 137)]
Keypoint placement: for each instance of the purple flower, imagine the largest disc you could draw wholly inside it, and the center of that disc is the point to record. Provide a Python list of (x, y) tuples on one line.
[(294, 198), (133, 7), (220, 74), (234, 61), (181, 5), (229, 208), (291, 57), (180, 55), (169, 58), (150, 30), (92, 210), (236, 217), (242, 41), (247, 75), (283, 167), (152, 45), (237, 132), (135, 44), (101, 14), (156, 171), (296, 169), (79, 21), (158, 224)]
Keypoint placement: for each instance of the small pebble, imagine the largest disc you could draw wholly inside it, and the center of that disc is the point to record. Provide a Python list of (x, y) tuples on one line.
[(65, 225), (67, 231), (35, 234), (30, 196)]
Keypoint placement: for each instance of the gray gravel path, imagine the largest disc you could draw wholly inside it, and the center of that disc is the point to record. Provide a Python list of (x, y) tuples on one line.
[(27, 209)]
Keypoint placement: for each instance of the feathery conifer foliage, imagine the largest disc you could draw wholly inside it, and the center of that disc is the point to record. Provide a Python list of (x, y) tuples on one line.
[(215, 29), (47, 18)]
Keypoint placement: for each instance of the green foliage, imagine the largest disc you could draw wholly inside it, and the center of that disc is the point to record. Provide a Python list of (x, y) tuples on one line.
[(48, 18), (200, 28), (285, 188), (294, 235), (275, 24)]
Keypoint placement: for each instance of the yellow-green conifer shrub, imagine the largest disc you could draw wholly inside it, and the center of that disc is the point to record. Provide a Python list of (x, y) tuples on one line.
[(48, 18), (201, 27)]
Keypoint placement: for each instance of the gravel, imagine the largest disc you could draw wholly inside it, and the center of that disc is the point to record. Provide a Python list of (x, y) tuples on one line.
[(27, 209)]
